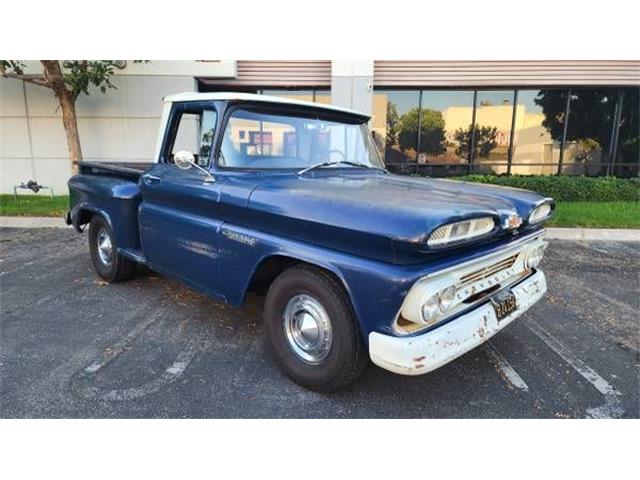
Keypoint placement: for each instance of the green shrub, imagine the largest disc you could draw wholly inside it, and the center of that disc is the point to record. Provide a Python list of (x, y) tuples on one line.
[(569, 188)]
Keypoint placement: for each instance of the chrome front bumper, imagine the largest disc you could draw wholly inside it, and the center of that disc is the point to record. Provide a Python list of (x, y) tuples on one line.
[(415, 355)]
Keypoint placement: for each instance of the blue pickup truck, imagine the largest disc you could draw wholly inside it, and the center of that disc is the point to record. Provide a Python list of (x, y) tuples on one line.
[(256, 193)]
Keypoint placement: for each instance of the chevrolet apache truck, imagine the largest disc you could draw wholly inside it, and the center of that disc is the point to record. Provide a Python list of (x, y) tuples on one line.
[(256, 193)]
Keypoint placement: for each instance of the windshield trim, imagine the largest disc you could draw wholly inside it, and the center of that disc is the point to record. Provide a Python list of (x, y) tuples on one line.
[(275, 109)]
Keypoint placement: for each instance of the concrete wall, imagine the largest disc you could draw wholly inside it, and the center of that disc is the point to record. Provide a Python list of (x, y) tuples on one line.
[(352, 85), (118, 126)]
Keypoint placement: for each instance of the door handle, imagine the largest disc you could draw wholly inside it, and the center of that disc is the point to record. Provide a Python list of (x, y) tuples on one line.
[(151, 178)]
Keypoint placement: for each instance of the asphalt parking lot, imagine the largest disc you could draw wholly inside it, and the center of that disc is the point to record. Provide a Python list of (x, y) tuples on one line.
[(73, 346)]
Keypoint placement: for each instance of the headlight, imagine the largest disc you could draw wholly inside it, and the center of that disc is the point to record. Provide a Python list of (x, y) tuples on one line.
[(540, 213), (446, 297), (465, 230), (438, 304), (534, 256), (431, 309)]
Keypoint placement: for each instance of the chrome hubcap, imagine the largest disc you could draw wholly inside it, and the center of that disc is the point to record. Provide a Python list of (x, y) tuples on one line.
[(105, 249), (307, 328)]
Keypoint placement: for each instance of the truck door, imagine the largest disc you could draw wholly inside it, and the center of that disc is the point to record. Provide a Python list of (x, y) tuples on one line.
[(180, 209)]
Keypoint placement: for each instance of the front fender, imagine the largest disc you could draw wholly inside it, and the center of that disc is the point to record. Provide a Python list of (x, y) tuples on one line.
[(375, 289)]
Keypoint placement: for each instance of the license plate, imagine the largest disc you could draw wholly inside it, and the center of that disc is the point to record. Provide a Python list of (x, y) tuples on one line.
[(504, 303)]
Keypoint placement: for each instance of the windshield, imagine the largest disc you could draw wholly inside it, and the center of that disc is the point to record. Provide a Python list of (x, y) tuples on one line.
[(262, 140)]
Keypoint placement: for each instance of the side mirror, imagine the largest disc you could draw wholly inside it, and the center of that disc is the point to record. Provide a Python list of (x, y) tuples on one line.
[(184, 159)]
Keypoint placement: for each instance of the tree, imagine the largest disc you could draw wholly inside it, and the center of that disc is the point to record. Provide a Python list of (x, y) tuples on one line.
[(432, 129), (68, 79), (590, 120), (392, 125), (485, 141)]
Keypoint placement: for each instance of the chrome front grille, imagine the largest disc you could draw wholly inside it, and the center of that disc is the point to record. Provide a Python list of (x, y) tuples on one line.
[(488, 271)]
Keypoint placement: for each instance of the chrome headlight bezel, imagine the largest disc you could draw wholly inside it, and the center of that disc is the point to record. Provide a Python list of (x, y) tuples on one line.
[(461, 231), (541, 212)]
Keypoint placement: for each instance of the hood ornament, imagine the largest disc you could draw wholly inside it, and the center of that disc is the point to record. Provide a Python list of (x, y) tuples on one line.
[(512, 221)]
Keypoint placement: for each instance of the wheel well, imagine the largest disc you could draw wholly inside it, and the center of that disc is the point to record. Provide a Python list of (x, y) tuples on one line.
[(85, 216), (271, 267)]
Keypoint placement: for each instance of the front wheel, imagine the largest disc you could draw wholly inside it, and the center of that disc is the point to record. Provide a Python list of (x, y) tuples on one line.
[(312, 329), (107, 262)]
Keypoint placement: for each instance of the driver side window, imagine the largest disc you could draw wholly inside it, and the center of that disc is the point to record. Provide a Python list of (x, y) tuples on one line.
[(195, 134)]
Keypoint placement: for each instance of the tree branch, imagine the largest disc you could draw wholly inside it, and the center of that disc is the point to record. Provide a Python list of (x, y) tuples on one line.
[(34, 80)]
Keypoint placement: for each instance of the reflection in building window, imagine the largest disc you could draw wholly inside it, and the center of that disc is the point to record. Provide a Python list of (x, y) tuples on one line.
[(394, 124), (536, 151), (494, 114), (305, 95), (446, 116), (322, 96), (627, 155), (316, 95), (586, 150)]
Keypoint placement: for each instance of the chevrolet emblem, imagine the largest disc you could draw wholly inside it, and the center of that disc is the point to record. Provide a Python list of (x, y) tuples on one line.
[(512, 221)]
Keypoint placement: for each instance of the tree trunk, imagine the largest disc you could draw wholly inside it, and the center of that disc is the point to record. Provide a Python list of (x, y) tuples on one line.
[(71, 130), (67, 100)]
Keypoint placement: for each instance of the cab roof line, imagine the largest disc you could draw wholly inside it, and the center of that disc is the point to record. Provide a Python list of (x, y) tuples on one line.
[(252, 97)]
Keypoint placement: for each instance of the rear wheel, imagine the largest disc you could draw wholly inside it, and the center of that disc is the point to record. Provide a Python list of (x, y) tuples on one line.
[(312, 329), (107, 262)]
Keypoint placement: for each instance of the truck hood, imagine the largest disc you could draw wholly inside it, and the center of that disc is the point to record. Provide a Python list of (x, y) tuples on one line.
[(374, 214)]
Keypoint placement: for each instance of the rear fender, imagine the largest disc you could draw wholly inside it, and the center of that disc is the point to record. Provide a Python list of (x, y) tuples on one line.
[(114, 199)]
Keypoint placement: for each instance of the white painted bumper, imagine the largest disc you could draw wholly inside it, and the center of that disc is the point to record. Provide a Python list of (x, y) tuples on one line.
[(423, 353)]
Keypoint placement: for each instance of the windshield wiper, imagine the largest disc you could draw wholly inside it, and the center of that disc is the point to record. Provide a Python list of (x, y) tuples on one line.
[(329, 164)]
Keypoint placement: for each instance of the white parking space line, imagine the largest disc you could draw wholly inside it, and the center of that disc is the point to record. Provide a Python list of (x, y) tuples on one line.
[(504, 368), (82, 382), (612, 407)]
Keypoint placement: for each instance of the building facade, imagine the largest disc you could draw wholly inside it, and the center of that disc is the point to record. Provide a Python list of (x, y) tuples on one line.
[(430, 117)]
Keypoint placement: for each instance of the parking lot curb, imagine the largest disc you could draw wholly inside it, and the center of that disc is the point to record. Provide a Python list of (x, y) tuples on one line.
[(32, 222), (590, 234), (594, 234)]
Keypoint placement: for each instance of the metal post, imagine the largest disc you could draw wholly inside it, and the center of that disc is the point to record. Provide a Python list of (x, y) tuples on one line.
[(28, 115), (513, 130), (615, 133), (419, 128), (567, 110), (473, 131)]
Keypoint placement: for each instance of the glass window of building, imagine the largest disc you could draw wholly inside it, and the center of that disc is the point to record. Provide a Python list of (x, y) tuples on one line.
[(446, 117), (539, 124), (322, 96), (627, 157), (394, 124), (494, 114), (316, 95), (590, 123), (306, 95)]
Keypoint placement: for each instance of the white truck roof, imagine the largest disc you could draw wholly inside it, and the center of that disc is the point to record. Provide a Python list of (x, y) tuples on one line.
[(196, 96)]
